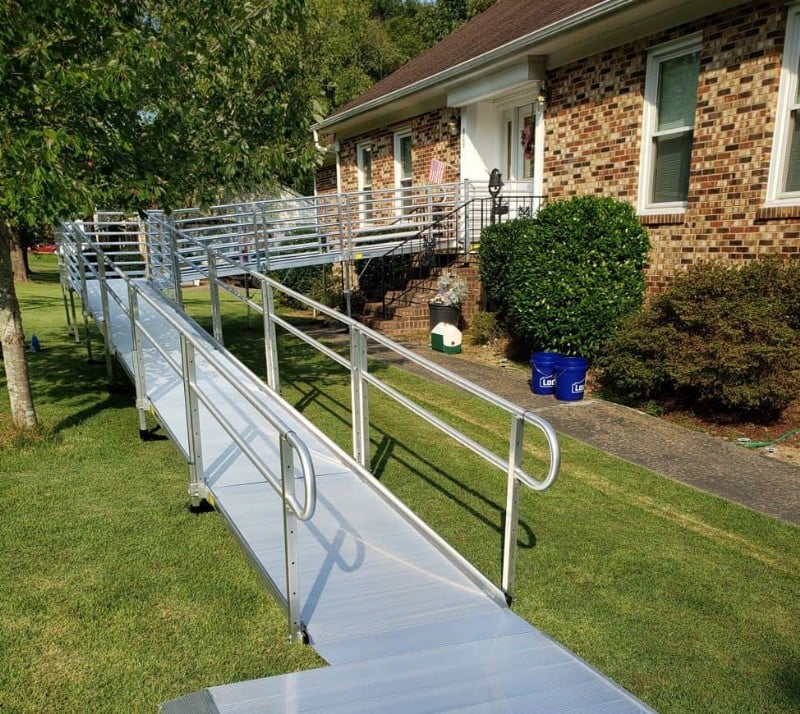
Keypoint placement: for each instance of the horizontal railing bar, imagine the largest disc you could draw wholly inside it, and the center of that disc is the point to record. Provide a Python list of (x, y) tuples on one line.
[(443, 426)]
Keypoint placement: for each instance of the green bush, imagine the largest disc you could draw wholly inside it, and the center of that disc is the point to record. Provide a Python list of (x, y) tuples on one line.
[(565, 279), (483, 329), (314, 281), (721, 339), (500, 246), (380, 274)]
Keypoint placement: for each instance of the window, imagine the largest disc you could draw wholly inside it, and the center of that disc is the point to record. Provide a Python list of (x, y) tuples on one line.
[(668, 126), (784, 177), (402, 166), (365, 179)]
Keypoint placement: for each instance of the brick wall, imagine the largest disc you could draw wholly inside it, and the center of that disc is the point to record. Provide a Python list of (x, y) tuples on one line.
[(430, 139), (593, 126), (326, 179)]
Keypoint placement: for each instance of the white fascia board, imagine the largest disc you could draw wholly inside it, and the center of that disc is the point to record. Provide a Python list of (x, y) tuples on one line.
[(528, 70)]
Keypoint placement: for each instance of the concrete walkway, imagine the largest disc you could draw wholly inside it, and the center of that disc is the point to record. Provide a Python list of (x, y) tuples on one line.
[(722, 468)]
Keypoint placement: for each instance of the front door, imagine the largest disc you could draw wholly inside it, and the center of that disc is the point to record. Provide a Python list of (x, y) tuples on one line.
[(523, 135)]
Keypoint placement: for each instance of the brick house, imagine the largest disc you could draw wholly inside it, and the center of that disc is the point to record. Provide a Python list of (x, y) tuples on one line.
[(688, 110)]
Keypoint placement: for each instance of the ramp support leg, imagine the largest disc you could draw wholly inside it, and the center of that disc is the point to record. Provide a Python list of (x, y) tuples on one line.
[(197, 490), (512, 507), (142, 403), (75, 330), (270, 338), (293, 605)]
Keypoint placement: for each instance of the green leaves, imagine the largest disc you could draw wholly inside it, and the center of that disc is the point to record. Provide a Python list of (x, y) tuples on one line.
[(119, 104), (565, 279), (721, 339)]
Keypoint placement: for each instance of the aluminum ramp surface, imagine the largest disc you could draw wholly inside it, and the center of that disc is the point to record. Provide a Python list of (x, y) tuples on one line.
[(405, 628)]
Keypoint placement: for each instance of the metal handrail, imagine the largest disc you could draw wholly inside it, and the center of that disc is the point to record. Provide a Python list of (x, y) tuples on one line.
[(211, 354), (306, 511), (447, 375), (519, 417)]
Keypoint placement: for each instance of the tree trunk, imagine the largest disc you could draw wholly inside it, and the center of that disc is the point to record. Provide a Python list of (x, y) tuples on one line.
[(19, 257), (12, 339)]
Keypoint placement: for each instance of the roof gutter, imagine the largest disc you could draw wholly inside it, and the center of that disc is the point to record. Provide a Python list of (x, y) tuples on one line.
[(545, 33)]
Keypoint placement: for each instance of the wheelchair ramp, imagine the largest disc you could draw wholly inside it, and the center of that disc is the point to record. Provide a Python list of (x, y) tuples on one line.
[(406, 623)]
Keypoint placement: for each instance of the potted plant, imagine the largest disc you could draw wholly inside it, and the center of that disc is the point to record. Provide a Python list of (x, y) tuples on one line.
[(445, 306)]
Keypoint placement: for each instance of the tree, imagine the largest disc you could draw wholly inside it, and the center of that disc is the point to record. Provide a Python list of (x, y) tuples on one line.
[(127, 104)]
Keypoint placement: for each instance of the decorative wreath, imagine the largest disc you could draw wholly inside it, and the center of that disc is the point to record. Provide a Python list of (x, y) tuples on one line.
[(526, 139)]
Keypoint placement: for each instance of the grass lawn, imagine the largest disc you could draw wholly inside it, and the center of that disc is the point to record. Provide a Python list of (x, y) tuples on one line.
[(114, 597)]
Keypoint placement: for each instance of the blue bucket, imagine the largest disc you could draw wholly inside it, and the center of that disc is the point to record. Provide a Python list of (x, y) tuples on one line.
[(571, 378), (543, 372)]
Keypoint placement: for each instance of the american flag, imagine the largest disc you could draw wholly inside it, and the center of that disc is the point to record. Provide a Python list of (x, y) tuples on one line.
[(436, 174)]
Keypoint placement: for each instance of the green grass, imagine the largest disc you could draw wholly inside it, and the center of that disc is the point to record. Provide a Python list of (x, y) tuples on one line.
[(116, 598)]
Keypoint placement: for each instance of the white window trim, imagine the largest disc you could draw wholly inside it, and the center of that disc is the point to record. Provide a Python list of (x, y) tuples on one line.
[(398, 166), (365, 203), (657, 55), (511, 115), (361, 149), (779, 160), (403, 205)]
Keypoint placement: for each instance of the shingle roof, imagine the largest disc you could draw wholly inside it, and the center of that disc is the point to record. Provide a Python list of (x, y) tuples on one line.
[(503, 22)]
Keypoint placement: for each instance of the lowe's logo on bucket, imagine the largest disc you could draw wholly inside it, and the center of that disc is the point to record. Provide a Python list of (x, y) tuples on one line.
[(578, 387), (547, 382)]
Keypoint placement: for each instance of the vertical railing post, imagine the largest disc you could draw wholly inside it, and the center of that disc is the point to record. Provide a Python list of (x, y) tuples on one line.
[(263, 255), (139, 379), (293, 606), (512, 506), (84, 303), (176, 266), (347, 263), (359, 396), (213, 288), (74, 316), (197, 490), (270, 338), (107, 331), (466, 202)]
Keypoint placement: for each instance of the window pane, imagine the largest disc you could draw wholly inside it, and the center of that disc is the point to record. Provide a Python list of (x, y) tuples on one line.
[(797, 93), (367, 168), (528, 151), (793, 169), (677, 91), (405, 157), (671, 175)]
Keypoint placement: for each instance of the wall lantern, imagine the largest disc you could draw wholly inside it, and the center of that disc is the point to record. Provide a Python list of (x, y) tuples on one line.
[(541, 97), (453, 126)]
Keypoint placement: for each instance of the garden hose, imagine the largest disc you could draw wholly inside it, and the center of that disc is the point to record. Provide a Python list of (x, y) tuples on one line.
[(744, 441)]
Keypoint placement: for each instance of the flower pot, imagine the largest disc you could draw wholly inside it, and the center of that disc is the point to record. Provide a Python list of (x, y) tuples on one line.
[(443, 313)]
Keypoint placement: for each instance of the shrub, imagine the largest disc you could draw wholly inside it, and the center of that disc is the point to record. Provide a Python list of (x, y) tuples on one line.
[(317, 282), (483, 329), (720, 339), (501, 244), (565, 279), (379, 274)]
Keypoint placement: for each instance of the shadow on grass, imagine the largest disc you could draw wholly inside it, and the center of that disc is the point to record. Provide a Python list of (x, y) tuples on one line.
[(388, 449), (61, 372), (788, 680)]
